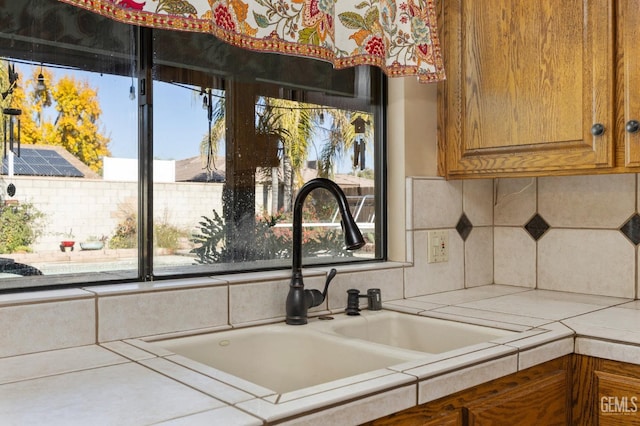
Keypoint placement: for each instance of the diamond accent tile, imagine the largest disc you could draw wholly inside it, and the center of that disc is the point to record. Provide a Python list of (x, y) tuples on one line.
[(631, 229), (464, 227), (536, 227)]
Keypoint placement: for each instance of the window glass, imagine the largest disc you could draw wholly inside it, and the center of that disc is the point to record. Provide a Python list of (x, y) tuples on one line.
[(245, 132), (222, 139), (63, 203)]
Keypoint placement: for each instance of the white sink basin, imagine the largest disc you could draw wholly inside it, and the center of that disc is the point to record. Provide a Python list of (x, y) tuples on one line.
[(283, 357), (414, 332)]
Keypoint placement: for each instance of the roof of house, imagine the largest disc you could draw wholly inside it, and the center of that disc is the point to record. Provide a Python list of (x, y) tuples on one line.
[(343, 180), (193, 170), (46, 160)]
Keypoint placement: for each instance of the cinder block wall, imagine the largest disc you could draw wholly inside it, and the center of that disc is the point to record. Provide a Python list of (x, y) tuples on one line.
[(95, 207)]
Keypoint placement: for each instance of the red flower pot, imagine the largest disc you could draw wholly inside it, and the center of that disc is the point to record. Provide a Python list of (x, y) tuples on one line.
[(66, 244)]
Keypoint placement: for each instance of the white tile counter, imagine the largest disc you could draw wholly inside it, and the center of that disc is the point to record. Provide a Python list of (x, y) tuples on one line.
[(130, 382)]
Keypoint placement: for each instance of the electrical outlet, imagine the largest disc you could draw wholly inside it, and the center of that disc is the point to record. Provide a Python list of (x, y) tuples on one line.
[(438, 246)]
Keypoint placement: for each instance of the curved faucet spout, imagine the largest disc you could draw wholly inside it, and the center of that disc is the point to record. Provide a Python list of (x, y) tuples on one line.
[(353, 237), (300, 300)]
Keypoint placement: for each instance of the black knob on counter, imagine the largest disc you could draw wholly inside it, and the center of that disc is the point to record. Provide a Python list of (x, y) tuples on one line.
[(597, 129), (353, 302), (632, 126)]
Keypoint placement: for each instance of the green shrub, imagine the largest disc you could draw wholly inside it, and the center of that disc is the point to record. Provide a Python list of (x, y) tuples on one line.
[(126, 233), (20, 226), (125, 236), (167, 236)]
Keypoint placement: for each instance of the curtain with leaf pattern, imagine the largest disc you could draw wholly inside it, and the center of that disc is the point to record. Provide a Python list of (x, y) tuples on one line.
[(399, 36)]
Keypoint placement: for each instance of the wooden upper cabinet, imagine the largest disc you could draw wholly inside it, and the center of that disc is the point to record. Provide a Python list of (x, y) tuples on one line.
[(528, 84), (628, 77)]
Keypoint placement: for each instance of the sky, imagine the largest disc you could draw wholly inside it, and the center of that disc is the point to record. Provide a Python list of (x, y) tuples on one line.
[(180, 122)]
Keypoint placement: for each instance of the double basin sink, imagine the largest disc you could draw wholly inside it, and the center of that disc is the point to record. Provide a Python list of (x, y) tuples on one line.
[(285, 358)]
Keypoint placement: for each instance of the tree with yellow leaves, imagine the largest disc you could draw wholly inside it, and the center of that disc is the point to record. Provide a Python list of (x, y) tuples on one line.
[(74, 121)]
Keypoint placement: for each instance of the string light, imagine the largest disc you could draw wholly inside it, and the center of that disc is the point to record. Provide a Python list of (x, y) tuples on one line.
[(40, 87), (289, 108)]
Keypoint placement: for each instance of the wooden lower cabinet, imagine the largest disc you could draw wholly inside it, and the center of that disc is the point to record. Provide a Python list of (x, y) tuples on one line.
[(572, 390), (605, 392), (539, 395), (542, 401)]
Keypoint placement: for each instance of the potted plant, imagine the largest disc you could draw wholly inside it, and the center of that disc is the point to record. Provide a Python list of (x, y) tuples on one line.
[(67, 242), (93, 243)]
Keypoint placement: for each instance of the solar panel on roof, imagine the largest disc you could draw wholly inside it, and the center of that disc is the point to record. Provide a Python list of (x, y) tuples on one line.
[(58, 161), (47, 153), (40, 162)]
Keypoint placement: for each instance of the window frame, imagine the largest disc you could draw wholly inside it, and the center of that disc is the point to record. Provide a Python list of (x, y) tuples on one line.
[(144, 58)]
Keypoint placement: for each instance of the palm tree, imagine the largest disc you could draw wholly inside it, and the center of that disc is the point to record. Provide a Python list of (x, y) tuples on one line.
[(339, 138), (210, 142), (295, 125), (273, 121), (302, 123)]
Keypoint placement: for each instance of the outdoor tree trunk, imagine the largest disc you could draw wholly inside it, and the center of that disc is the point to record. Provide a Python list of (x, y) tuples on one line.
[(287, 176), (274, 190)]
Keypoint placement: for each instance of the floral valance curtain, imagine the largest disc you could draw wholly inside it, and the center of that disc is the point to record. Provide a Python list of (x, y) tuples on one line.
[(399, 36)]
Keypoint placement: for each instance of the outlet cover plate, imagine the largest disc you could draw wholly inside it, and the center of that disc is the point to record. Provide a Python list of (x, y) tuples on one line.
[(438, 246)]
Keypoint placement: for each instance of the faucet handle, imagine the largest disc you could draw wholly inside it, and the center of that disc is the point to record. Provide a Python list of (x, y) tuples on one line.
[(330, 276), (314, 297), (353, 302), (374, 299)]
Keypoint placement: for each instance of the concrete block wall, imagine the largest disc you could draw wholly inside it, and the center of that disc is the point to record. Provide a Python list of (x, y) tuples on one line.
[(95, 207)]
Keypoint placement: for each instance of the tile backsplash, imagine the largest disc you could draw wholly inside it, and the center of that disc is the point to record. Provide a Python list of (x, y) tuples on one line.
[(579, 239), (55, 319), (437, 204)]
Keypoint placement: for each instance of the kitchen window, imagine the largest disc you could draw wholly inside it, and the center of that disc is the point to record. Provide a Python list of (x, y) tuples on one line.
[(140, 154)]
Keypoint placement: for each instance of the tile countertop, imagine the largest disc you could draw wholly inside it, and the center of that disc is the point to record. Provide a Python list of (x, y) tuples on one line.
[(132, 382)]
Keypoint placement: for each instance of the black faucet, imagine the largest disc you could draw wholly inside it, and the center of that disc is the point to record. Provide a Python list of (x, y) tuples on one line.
[(300, 300)]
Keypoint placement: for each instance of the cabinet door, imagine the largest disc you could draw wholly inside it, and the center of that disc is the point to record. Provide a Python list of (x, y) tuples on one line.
[(541, 402), (526, 83), (605, 392), (628, 17), (423, 418), (619, 399), (539, 395)]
